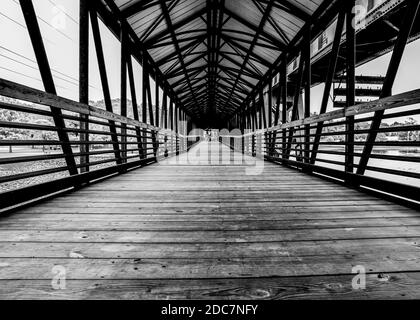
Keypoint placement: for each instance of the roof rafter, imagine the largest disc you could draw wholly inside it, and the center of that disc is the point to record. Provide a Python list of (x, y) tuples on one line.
[(149, 42), (175, 40)]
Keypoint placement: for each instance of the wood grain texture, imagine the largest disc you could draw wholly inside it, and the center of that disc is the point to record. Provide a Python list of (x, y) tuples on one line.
[(208, 230)]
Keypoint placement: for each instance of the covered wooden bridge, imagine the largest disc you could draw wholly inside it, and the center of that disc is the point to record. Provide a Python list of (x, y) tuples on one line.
[(283, 200)]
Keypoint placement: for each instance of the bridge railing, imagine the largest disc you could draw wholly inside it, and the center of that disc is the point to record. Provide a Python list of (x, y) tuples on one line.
[(326, 145), (36, 162)]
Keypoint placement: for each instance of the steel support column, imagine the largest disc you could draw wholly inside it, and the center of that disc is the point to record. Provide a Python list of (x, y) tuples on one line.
[(411, 13), (104, 81), (48, 80), (283, 86), (123, 101), (135, 105), (329, 81), (351, 83), (308, 82)]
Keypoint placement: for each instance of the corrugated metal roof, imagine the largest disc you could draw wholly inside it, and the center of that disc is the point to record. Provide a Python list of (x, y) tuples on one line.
[(239, 53)]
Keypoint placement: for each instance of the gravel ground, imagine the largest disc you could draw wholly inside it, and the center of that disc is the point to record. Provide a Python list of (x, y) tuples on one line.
[(18, 168)]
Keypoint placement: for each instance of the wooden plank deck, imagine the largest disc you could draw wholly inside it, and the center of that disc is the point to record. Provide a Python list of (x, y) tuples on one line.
[(210, 231)]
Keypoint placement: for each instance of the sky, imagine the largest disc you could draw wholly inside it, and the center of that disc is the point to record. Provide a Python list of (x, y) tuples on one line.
[(58, 20)]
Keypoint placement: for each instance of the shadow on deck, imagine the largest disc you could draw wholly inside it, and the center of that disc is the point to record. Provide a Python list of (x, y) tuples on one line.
[(202, 229)]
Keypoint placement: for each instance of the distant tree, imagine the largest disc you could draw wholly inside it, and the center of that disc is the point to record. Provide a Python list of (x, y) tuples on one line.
[(44, 135), (412, 135), (6, 133)]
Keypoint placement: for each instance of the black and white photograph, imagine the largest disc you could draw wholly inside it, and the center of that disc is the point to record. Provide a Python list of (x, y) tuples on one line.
[(209, 155)]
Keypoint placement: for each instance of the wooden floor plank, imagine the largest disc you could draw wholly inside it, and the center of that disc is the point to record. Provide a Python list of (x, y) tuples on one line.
[(378, 286), (211, 268), (193, 228), (98, 250)]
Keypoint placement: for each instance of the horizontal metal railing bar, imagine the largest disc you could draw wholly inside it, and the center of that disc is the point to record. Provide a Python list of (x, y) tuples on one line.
[(17, 91), (399, 100), (357, 120), (29, 126), (276, 133), (360, 132), (376, 143), (393, 188), (32, 174), (388, 103), (403, 173), (60, 169), (373, 155), (56, 142), (32, 110), (22, 125), (24, 109), (306, 158), (19, 196), (362, 143), (89, 120), (38, 173), (368, 168), (13, 160)]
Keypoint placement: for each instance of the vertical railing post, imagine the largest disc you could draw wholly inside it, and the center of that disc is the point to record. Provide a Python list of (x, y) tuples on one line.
[(104, 81), (308, 83), (144, 103), (329, 80), (271, 135), (283, 85), (123, 102), (84, 82), (351, 84), (295, 110), (405, 31), (135, 106), (157, 101)]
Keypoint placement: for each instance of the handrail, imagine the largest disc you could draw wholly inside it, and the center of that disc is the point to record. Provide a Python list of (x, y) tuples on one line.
[(139, 144), (392, 102), (290, 144)]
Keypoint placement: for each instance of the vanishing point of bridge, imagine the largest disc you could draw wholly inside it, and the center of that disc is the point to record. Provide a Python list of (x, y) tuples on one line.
[(285, 202)]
